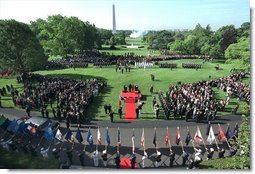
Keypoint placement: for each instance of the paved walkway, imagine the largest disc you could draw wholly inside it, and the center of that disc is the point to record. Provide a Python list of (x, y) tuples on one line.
[(126, 133)]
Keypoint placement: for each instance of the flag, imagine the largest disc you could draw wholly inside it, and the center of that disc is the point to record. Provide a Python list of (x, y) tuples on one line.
[(155, 138), (108, 141), (208, 128), (13, 126), (221, 134), (142, 139), (228, 133), (188, 138), (69, 135), (211, 136), (236, 130), (198, 136), (133, 141), (79, 136), (98, 136), (90, 138), (22, 128), (119, 138), (178, 136), (59, 135), (2, 120), (5, 124), (48, 134), (167, 136)]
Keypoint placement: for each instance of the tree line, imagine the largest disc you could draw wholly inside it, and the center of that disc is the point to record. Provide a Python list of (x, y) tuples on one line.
[(26, 47), (227, 42)]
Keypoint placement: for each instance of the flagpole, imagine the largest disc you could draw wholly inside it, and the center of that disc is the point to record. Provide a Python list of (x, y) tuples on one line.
[(216, 143), (97, 139), (182, 145), (225, 138), (169, 143), (202, 138), (40, 141), (156, 145), (84, 149), (118, 149)]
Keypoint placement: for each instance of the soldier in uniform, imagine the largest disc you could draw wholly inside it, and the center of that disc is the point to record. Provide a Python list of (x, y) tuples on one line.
[(133, 161), (56, 153), (145, 156), (70, 155), (172, 158), (191, 164), (209, 153), (158, 158), (221, 153), (44, 152), (117, 160), (28, 109), (42, 112), (104, 157), (81, 158), (185, 156), (95, 158), (232, 151), (54, 113), (47, 113), (32, 149)]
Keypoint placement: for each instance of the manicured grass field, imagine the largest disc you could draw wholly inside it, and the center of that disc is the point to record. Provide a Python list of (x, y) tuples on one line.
[(140, 77), (121, 50)]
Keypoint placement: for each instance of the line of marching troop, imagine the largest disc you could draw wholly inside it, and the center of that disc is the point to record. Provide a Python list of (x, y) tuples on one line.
[(14, 128)]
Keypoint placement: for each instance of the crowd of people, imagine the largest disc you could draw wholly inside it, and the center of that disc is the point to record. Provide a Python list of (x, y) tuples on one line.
[(16, 140), (99, 59), (198, 100), (167, 65), (192, 65), (72, 97)]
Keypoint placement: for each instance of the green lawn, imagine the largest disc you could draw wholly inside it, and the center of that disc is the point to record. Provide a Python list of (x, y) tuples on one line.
[(14, 160), (140, 77), (121, 50), (7, 99)]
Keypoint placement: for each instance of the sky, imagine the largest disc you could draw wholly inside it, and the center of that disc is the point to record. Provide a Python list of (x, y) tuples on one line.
[(134, 14)]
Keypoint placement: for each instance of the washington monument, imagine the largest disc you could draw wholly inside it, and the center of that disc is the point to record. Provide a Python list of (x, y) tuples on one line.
[(113, 19)]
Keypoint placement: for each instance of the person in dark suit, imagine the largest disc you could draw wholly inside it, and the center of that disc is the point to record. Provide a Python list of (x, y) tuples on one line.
[(111, 116), (133, 161), (117, 160), (120, 112), (105, 109)]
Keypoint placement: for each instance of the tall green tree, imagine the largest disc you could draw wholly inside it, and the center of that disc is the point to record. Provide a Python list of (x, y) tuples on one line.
[(20, 49), (61, 35), (240, 53)]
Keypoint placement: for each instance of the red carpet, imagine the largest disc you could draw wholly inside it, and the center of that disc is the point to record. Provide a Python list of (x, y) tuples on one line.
[(125, 163), (130, 98), (130, 109)]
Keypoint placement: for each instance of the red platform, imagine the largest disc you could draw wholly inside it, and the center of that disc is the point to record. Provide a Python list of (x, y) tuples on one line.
[(125, 163), (130, 99)]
